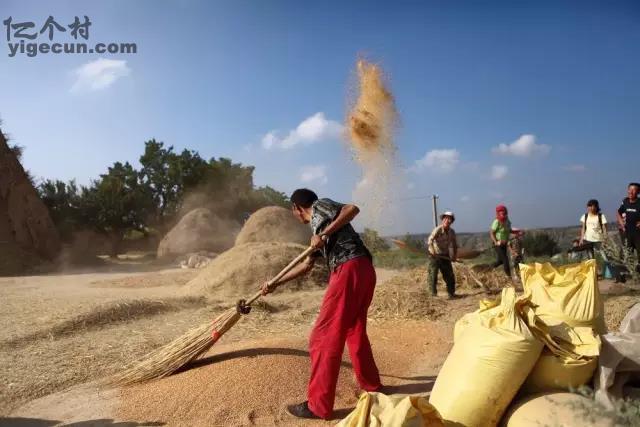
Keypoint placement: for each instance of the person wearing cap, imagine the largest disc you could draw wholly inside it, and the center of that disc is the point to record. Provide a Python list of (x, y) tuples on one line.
[(442, 247), (500, 233)]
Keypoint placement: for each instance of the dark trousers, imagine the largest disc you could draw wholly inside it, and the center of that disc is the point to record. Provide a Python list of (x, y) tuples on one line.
[(594, 247), (445, 267), (502, 258), (633, 244)]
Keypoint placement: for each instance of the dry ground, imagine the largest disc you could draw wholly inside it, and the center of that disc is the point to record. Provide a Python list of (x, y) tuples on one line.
[(64, 331)]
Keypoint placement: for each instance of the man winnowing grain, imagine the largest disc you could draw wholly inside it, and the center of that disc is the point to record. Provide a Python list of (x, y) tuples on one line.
[(343, 313)]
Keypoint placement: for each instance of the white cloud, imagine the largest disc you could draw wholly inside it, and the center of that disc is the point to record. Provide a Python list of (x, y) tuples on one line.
[(314, 174), (99, 74), (312, 129), (499, 171), (525, 146), (440, 160), (465, 199), (575, 168)]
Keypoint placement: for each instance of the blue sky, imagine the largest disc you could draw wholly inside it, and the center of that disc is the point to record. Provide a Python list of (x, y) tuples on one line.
[(556, 83)]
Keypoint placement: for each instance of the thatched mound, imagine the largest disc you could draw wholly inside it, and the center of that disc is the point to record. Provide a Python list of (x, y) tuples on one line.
[(273, 224), (242, 269), (198, 230), (27, 232)]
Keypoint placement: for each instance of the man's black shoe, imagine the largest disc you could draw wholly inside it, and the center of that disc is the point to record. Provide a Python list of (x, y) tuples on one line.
[(301, 410)]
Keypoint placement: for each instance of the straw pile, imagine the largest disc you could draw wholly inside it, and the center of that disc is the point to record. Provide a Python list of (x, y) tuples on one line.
[(241, 270), (198, 230), (273, 224)]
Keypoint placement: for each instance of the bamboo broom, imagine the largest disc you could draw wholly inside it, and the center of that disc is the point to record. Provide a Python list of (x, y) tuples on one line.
[(168, 359)]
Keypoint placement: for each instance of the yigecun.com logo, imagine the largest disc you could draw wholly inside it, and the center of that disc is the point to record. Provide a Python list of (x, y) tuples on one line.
[(23, 35)]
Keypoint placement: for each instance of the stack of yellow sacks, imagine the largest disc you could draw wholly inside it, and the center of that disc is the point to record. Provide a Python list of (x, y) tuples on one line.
[(544, 340)]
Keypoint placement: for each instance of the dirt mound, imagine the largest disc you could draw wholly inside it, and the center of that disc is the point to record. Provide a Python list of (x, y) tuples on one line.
[(27, 232), (273, 224), (242, 269), (198, 230)]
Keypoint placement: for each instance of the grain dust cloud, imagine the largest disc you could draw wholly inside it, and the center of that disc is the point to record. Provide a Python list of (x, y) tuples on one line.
[(372, 124)]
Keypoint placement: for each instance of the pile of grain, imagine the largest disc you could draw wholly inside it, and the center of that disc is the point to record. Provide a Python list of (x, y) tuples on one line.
[(616, 307), (241, 270), (273, 224), (248, 384)]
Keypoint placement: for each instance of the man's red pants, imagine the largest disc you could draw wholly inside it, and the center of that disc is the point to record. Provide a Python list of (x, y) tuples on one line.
[(343, 317)]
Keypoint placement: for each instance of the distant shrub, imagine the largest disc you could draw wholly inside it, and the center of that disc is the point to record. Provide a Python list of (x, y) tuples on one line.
[(399, 259), (540, 244), (373, 241)]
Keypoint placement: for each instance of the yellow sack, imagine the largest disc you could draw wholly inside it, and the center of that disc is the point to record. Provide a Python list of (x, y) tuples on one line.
[(377, 410), (568, 303), (553, 372), (565, 295), (488, 363), (556, 409), (488, 309)]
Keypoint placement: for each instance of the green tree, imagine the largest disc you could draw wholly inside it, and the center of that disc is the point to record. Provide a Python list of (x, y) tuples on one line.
[(167, 175), (116, 203), (415, 241), (64, 203)]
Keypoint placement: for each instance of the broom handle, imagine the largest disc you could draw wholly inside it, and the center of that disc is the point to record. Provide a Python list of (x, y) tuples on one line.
[(284, 271)]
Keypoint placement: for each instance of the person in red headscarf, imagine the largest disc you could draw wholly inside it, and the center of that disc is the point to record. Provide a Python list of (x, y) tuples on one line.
[(500, 232)]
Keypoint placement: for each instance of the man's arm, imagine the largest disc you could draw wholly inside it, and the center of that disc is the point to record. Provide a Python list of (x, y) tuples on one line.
[(431, 239), (297, 271), (345, 216), (619, 216)]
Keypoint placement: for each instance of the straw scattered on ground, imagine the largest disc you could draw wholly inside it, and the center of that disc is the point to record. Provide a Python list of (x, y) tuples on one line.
[(107, 315), (149, 280)]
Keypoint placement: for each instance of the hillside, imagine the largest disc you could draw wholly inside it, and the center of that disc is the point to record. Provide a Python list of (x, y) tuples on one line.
[(480, 240)]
